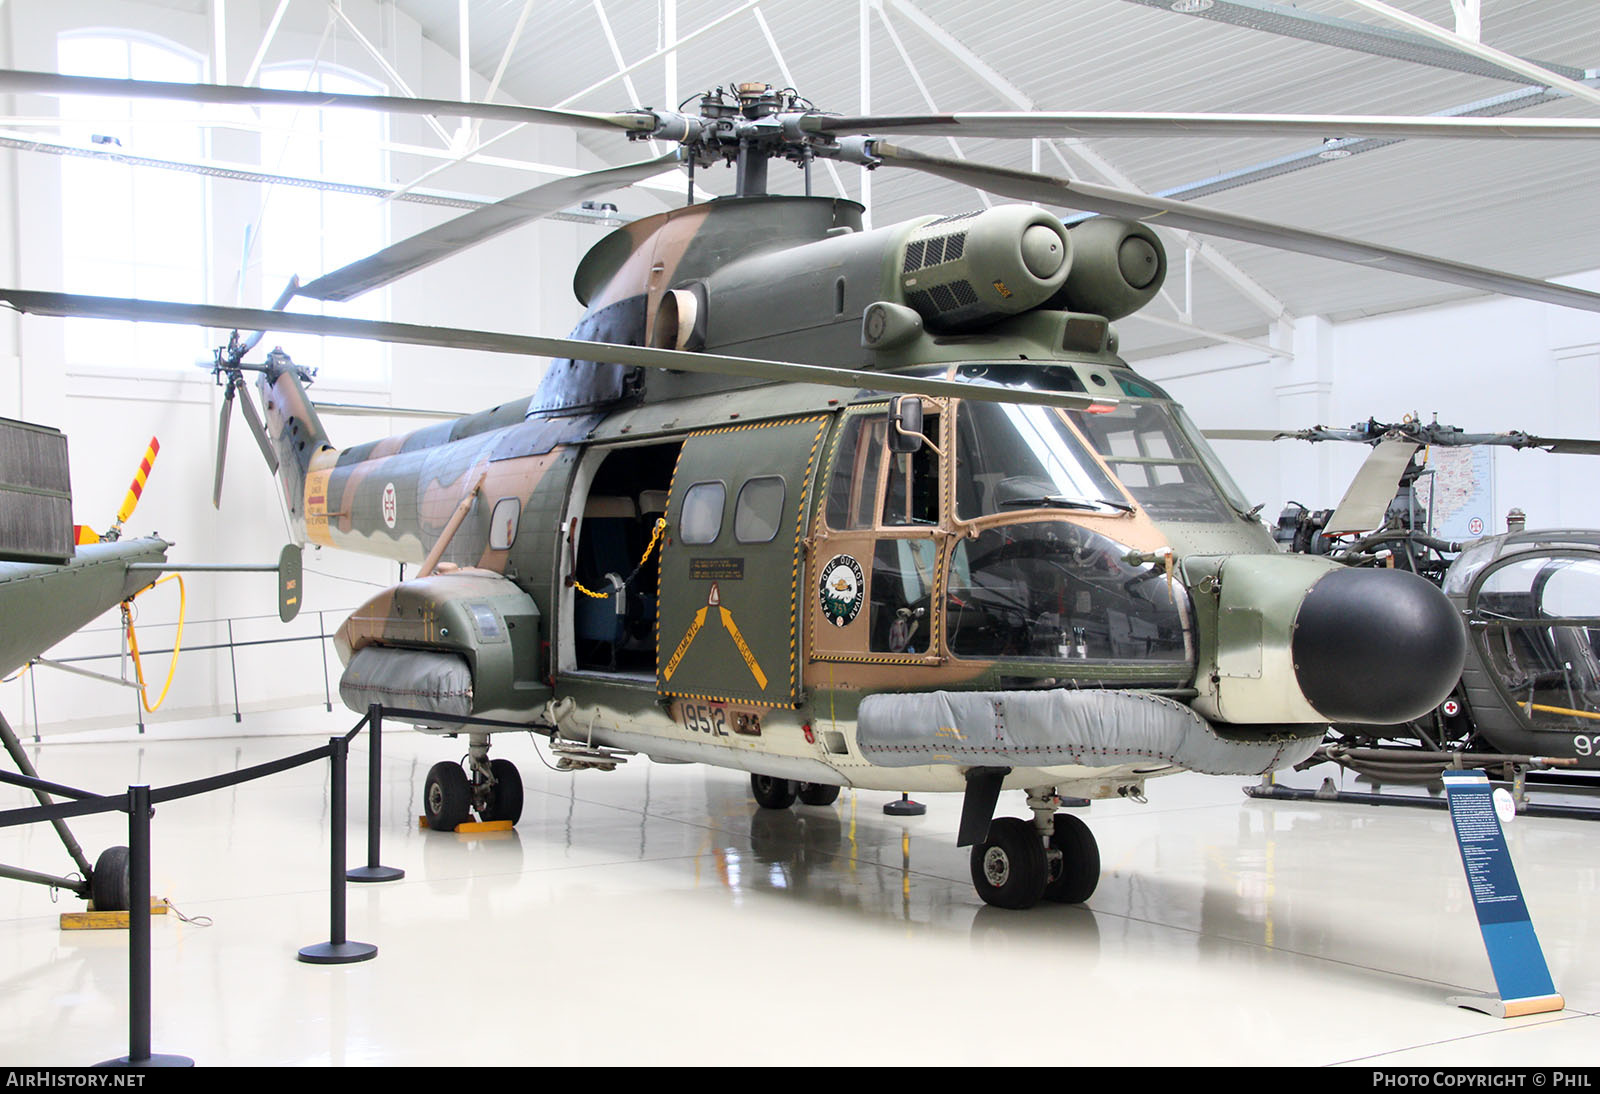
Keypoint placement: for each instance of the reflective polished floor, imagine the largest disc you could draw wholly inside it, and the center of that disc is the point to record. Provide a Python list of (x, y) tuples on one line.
[(654, 915)]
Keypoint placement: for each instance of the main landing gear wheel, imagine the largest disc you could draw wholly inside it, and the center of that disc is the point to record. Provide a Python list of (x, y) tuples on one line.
[(773, 793), (817, 793), (1075, 872), (447, 798), (504, 799), (1010, 868), (109, 886)]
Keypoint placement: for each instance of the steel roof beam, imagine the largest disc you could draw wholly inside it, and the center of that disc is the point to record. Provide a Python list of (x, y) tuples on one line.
[(1329, 30), (1533, 71)]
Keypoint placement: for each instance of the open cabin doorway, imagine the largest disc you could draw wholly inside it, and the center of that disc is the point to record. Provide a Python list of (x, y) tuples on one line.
[(614, 557)]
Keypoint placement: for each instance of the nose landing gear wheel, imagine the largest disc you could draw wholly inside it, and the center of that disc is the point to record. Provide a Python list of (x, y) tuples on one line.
[(817, 794), (773, 793), (447, 797), (1010, 868), (1076, 871)]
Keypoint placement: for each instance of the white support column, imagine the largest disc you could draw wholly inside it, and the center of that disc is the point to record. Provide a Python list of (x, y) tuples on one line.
[(865, 51), (788, 78), (1246, 285), (570, 99), (1577, 379), (266, 43), (669, 33), (219, 41), (927, 96), (1469, 19), (389, 70), (616, 57), (1303, 388)]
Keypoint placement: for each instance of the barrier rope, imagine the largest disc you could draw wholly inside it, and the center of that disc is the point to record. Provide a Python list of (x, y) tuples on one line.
[(655, 538)]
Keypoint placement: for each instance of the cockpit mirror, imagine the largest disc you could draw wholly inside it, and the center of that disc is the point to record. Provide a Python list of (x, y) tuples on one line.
[(905, 424)]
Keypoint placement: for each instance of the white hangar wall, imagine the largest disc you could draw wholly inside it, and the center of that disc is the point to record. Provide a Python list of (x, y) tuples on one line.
[(520, 282), (1485, 365)]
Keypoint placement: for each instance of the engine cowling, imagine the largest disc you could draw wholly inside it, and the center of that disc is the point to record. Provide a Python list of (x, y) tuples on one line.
[(1117, 268), (964, 271)]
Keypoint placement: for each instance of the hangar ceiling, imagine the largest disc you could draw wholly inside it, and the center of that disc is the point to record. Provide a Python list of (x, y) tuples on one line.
[(1524, 206)]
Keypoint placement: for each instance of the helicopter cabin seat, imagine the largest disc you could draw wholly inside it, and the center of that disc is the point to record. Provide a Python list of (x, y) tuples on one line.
[(607, 546)]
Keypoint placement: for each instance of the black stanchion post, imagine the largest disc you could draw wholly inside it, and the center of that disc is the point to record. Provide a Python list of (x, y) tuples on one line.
[(139, 940), (372, 871), (337, 950)]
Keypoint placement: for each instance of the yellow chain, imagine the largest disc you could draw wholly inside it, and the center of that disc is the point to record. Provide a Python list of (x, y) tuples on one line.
[(655, 537)]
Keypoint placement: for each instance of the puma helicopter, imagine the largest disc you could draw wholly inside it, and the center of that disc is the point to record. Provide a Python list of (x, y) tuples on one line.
[(837, 506)]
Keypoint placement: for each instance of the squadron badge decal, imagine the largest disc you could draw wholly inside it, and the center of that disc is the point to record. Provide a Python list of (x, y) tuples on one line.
[(843, 587)]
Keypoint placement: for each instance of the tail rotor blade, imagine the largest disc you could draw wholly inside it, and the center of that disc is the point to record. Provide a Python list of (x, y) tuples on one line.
[(222, 444), (136, 488), (257, 429)]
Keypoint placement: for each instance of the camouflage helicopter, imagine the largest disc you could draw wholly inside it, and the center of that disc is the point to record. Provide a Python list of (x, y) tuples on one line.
[(1529, 695), (841, 507)]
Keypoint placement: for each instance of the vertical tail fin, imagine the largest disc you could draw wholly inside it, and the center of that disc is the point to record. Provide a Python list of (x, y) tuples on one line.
[(296, 434)]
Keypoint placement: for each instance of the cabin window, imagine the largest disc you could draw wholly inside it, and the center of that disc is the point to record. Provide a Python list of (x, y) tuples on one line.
[(701, 521), (902, 590), (912, 496), (857, 463), (758, 510), (503, 524), (1539, 622)]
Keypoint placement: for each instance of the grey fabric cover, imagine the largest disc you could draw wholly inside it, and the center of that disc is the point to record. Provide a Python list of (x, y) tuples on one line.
[(415, 679), (1088, 728)]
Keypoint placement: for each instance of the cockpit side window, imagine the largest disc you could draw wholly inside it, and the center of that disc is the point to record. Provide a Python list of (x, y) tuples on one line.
[(853, 479)]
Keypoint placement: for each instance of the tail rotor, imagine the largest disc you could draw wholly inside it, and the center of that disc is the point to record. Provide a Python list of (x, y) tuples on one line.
[(229, 369)]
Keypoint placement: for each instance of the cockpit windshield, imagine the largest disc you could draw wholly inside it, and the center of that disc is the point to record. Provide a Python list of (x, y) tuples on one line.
[(1159, 455), (1145, 438), (1012, 457)]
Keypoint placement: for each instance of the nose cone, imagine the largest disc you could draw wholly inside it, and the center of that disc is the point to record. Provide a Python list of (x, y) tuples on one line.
[(1378, 646)]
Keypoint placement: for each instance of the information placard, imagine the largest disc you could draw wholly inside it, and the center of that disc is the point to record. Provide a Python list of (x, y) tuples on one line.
[(1520, 974)]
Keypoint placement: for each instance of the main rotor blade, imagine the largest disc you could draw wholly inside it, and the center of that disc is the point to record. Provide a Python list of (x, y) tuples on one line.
[(289, 292), (1422, 434), (469, 229), (1028, 186), (50, 83), (1365, 504), (210, 315), (1165, 124)]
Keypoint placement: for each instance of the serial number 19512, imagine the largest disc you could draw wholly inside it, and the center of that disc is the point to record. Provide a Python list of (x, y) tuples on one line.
[(709, 718)]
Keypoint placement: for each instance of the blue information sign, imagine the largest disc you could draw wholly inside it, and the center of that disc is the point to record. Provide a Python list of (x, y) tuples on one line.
[(1520, 973)]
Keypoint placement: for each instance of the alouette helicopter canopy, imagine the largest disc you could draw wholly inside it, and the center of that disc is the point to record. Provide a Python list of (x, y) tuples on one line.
[(842, 505)]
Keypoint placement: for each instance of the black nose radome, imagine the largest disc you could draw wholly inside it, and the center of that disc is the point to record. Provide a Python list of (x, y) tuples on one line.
[(1380, 646)]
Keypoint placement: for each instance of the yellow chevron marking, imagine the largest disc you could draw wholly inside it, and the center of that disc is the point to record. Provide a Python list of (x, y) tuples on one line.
[(744, 650)]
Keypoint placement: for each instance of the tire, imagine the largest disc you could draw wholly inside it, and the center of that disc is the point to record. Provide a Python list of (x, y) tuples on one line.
[(447, 797), (505, 796), (817, 793), (110, 888), (772, 793), (1077, 872), (1010, 868)]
